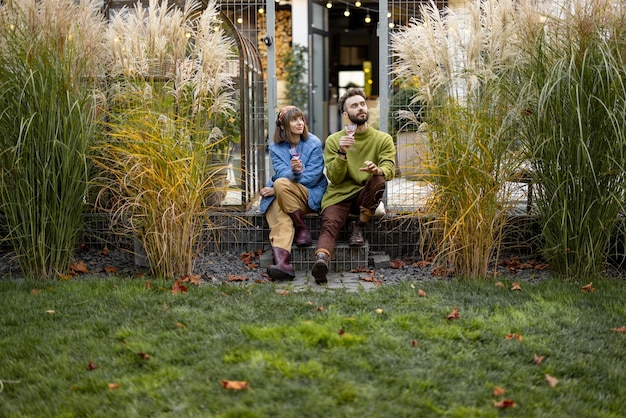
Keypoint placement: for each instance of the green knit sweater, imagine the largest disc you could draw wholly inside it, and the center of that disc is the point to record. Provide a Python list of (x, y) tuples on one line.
[(345, 179)]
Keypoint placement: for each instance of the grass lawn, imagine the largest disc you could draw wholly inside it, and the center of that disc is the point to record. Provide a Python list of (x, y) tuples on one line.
[(117, 348)]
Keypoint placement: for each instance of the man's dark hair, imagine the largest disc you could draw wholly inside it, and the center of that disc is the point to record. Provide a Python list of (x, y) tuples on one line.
[(348, 94)]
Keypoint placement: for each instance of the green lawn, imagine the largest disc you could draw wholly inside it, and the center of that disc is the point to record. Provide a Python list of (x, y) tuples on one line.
[(386, 353)]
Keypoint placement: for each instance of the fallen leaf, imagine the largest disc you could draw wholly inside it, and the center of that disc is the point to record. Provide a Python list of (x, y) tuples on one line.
[(178, 287), (504, 403), (65, 277), (105, 251), (421, 264), (443, 271), (517, 337), (283, 292), (421, 293), (237, 278), (114, 385), (181, 325), (454, 314), (588, 288), (78, 267), (538, 359), (109, 270), (234, 385), (516, 286), (195, 279), (498, 391), (379, 311), (91, 366), (621, 329), (414, 343), (148, 284), (35, 291), (551, 380), (500, 284), (396, 264), (143, 355), (50, 311), (320, 309), (341, 331)]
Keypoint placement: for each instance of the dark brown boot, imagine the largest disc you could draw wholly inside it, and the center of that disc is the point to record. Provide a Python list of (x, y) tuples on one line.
[(357, 238), (303, 235), (320, 268), (281, 269)]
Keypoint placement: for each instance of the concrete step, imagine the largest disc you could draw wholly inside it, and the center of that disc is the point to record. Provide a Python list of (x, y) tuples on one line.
[(344, 259)]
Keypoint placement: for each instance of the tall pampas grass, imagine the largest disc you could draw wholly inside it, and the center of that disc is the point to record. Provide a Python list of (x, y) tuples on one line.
[(50, 59), (164, 159), (575, 127), (462, 60)]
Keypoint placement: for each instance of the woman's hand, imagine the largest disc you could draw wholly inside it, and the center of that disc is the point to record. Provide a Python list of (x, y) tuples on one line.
[(296, 165), (267, 191)]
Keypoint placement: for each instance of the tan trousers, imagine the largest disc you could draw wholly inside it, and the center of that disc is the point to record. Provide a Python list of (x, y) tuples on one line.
[(289, 197)]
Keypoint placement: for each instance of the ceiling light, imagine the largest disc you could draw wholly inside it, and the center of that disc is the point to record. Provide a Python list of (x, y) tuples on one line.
[(347, 12), (261, 10), (357, 3), (368, 19), (329, 5)]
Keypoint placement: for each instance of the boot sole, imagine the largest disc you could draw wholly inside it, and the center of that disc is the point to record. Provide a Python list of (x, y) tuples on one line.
[(319, 272), (280, 275)]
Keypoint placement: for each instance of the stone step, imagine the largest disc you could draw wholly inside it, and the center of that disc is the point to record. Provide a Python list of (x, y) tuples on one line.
[(344, 259)]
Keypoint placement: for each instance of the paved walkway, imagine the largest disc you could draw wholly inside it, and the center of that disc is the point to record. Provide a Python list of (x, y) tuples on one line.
[(350, 282)]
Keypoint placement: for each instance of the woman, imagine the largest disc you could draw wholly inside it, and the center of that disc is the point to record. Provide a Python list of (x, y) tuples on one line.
[(295, 189)]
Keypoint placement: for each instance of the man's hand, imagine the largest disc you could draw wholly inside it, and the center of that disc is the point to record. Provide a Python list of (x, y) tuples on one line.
[(371, 168), (345, 142)]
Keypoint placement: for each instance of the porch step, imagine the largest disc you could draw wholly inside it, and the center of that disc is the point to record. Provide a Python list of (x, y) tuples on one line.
[(344, 259)]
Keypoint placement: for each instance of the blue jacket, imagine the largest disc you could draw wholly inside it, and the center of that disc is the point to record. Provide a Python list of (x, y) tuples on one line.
[(313, 178)]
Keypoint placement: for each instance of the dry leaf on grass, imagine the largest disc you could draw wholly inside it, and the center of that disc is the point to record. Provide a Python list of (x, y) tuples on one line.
[(421, 293), (237, 278), (551, 380), (588, 288), (538, 359), (113, 385), (621, 329), (498, 391), (504, 403), (234, 384), (516, 286), (517, 337), (91, 366), (454, 314), (178, 287)]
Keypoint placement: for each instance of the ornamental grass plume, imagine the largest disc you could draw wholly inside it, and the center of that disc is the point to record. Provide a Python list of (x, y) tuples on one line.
[(164, 158), (462, 59), (50, 60)]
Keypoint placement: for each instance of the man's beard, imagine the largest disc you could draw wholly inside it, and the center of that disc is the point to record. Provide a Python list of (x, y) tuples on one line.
[(356, 120)]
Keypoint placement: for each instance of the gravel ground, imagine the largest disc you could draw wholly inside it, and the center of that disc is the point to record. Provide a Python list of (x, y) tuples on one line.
[(219, 268)]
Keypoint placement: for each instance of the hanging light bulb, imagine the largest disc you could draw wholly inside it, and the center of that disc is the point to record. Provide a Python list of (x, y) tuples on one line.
[(347, 12), (240, 20), (329, 5), (357, 3), (388, 15), (368, 19), (261, 10), (392, 25)]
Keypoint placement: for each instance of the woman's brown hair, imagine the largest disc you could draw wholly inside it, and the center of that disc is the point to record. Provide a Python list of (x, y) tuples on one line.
[(286, 115)]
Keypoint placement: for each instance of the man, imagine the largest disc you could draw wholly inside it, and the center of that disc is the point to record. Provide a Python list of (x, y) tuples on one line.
[(357, 168)]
